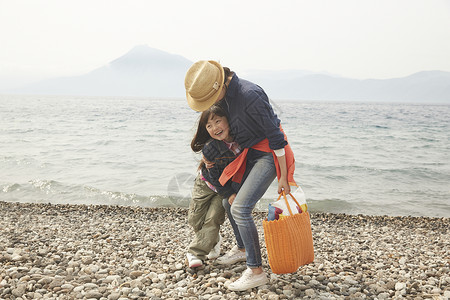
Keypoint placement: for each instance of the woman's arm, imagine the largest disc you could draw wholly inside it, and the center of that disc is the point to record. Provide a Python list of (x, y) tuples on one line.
[(283, 184), (262, 117)]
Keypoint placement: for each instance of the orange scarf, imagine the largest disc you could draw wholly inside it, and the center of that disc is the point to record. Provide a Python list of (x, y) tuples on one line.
[(236, 169)]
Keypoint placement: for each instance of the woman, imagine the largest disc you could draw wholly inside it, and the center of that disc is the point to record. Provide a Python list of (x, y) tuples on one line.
[(256, 128)]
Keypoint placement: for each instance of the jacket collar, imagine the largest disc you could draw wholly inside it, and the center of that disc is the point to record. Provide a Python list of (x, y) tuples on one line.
[(233, 86)]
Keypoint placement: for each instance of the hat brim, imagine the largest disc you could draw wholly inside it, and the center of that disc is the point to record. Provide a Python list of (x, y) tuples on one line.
[(204, 105)]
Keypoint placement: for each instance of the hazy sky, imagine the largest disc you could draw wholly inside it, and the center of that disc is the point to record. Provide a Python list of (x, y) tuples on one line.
[(353, 38)]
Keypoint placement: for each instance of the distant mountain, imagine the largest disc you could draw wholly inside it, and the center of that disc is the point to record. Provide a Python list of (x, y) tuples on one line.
[(425, 87), (148, 72), (143, 71)]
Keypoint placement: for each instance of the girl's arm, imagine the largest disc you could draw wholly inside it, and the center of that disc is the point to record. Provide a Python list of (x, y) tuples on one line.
[(231, 199), (208, 164), (212, 175)]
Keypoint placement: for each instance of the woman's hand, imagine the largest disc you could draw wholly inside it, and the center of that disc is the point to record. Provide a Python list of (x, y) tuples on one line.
[(231, 199), (208, 164), (283, 185)]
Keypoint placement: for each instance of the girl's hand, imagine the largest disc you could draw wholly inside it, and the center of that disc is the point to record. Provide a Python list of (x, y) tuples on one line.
[(208, 164), (231, 199), (283, 185)]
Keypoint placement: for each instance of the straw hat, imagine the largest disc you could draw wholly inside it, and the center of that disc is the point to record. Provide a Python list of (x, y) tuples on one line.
[(203, 83)]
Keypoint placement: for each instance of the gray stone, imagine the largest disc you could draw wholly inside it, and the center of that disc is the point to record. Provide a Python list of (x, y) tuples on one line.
[(313, 282), (273, 297), (400, 286), (156, 292), (111, 278), (78, 289), (93, 294), (67, 286), (57, 282), (114, 296), (135, 274), (90, 286), (19, 291), (310, 292), (334, 279)]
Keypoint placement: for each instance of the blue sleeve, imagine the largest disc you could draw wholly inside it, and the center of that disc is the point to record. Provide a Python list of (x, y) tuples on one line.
[(259, 109)]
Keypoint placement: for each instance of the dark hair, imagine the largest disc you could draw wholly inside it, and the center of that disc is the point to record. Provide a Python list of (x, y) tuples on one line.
[(227, 73), (202, 135)]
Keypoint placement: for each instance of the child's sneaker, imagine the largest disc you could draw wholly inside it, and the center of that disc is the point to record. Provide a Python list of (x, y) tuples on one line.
[(232, 256), (193, 261), (215, 252), (248, 280)]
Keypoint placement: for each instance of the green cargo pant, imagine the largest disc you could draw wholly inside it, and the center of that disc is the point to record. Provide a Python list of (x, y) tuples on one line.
[(206, 214)]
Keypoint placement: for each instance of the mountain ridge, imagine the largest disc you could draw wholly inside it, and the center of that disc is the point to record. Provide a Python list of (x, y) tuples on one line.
[(148, 72)]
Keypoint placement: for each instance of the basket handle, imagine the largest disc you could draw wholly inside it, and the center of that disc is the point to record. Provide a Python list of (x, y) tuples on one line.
[(283, 193)]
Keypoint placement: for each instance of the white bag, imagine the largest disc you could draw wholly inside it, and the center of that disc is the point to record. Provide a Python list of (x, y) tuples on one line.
[(299, 195)]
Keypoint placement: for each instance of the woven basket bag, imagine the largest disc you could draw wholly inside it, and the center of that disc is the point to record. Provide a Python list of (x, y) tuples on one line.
[(289, 241)]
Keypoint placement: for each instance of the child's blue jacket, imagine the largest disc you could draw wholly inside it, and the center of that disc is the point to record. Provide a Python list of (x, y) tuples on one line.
[(217, 152)]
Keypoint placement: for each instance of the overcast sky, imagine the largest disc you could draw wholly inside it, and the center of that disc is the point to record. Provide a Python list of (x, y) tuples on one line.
[(353, 38)]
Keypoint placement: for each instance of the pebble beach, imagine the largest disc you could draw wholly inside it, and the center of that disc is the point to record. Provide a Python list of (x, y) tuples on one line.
[(50, 251)]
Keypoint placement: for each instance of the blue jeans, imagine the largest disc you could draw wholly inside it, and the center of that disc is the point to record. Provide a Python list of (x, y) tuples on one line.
[(259, 174)]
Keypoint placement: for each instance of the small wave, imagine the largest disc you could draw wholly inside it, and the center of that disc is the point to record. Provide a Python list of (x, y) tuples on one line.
[(337, 177), (15, 161), (330, 205), (104, 143), (47, 186), (427, 139), (381, 127), (51, 191), (10, 187)]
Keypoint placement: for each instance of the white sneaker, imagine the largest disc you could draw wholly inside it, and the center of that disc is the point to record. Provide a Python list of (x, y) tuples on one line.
[(215, 252), (193, 261), (232, 256), (248, 280)]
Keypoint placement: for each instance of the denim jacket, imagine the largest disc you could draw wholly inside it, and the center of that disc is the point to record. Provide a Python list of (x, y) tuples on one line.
[(250, 115)]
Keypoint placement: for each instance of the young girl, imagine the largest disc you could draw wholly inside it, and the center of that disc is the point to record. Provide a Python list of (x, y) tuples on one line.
[(206, 212)]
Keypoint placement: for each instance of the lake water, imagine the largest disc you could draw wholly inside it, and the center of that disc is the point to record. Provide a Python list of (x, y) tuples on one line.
[(356, 158)]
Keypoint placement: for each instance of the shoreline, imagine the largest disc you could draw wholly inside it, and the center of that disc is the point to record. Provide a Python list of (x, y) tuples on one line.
[(63, 251)]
